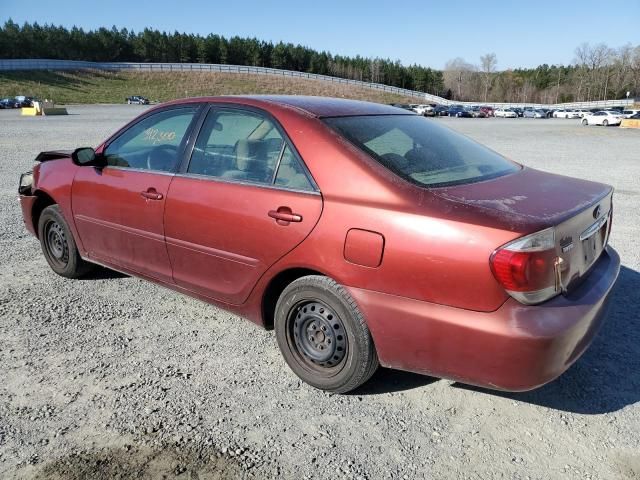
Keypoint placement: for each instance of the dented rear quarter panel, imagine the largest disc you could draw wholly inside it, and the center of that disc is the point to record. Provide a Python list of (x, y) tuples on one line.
[(434, 249), (437, 242)]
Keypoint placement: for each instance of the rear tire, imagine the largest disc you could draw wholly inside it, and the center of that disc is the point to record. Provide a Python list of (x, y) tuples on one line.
[(323, 336), (58, 246)]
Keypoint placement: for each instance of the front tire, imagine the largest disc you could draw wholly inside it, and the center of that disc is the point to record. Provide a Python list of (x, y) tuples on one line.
[(58, 246), (585, 122), (323, 336), (605, 123)]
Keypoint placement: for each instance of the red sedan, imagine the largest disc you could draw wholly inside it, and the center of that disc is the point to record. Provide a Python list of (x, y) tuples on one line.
[(362, 233)]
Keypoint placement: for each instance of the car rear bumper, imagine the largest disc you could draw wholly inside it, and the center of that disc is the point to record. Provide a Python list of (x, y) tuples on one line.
[(515, 348)]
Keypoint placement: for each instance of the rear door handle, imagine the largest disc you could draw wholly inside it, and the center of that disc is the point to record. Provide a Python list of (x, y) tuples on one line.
[(152, 194), (284, 214)]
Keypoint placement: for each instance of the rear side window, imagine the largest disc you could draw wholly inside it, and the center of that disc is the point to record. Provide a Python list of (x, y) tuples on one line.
[(291, 174), (421, 151), (238, 145)]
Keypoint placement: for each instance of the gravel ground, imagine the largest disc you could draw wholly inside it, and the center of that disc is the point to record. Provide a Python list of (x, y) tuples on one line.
[(113, 377)]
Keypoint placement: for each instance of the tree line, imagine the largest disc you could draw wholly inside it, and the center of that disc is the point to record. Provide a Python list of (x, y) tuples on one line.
[(113, 45), (598, 72)]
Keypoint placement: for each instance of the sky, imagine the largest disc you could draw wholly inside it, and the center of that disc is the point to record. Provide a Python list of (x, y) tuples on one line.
[(520, 33)]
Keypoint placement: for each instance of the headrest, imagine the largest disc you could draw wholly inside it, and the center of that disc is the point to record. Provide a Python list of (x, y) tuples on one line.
[(250, 151), (246, 153)]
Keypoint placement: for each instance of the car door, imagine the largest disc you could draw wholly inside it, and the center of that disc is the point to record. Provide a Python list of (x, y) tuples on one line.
[(242, 201), (118, 209)]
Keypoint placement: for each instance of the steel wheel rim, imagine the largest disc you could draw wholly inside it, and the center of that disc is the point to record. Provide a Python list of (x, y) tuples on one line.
[(318, 337), (55, 241)]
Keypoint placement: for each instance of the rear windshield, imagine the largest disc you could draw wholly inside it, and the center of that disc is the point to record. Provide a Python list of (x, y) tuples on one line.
[(421, 151)]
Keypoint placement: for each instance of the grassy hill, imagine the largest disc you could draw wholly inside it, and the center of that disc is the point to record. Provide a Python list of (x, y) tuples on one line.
[(114, 87)]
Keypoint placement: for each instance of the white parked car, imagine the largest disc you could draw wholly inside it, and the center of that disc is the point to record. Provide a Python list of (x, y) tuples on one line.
[(562, 113), (573, 114), (422, 109), (603, 117), (629, 113), (582, 113), (505, 113)]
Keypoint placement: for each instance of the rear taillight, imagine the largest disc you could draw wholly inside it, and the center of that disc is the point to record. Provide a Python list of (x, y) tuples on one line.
[(528, 267)]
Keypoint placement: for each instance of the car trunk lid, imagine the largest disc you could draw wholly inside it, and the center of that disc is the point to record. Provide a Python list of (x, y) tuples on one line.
[(579, 210)]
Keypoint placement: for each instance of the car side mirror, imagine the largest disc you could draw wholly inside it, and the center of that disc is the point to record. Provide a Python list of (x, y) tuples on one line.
[(87, 157)]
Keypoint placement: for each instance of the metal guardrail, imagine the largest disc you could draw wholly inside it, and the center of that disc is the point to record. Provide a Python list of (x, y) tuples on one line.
[(420, 97)]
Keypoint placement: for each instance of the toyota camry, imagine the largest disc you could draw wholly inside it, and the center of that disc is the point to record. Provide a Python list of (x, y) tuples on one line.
[(364, 234)]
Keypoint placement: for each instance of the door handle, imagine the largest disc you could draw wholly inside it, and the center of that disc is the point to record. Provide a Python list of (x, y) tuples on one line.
[(151, 194), (284, 214)]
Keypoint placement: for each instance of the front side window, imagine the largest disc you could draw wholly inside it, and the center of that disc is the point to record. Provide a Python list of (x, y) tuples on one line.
[(154, 143), (421, 151)]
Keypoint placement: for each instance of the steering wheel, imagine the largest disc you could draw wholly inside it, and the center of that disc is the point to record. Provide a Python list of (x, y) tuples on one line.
[(162, 157)]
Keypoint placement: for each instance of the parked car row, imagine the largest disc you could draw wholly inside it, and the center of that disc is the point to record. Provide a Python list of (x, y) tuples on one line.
[(433, 110), (582, 113), (18, 101), (595, 116)]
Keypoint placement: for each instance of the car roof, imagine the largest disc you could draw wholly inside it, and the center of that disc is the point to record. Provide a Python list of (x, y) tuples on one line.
[(314, 106)]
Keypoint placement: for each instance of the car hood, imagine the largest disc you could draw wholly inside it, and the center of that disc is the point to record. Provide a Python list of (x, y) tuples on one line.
[(53, 155), (535, 197)]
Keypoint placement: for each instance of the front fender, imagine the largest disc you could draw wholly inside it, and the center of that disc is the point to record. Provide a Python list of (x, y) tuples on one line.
[(27, 203), (55, 179)]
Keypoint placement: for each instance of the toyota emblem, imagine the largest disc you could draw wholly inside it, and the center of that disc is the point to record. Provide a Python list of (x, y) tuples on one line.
[(596, 212)]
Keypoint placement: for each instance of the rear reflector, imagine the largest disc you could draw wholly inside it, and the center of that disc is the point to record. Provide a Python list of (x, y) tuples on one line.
[(526, 267)]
